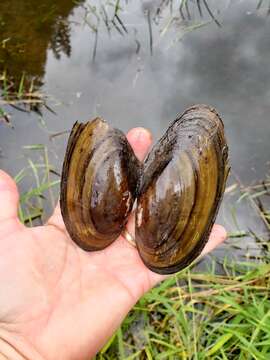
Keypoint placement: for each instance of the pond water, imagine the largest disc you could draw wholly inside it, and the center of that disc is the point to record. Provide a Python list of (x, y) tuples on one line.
[(140, 68)]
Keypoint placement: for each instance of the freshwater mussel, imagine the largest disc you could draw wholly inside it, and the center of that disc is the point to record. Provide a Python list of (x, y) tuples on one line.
[(98, 185), (178, 188)]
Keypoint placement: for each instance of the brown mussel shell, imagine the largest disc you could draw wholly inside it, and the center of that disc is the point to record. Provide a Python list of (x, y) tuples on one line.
[(98, 185), (181, 187)]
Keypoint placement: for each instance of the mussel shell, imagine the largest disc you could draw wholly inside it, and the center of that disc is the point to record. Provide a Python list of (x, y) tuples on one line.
[(98, 185), (180, 190)]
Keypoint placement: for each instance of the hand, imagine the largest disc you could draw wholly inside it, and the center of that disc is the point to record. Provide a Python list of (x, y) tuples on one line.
[(58, 301)]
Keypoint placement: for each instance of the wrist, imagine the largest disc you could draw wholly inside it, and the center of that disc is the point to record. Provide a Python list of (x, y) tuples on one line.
[(13, 347)]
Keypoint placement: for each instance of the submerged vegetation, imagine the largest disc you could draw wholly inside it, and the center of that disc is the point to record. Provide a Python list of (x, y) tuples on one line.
[(23, 97), (185, 14)]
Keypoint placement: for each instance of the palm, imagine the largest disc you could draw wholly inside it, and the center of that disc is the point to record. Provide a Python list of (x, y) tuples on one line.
[(62, 285), (58, 299)]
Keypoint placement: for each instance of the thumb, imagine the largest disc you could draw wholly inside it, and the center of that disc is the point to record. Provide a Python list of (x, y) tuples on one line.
[(9, 197)]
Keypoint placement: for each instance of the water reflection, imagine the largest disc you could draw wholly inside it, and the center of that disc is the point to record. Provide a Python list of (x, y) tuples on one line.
[(28, 29)]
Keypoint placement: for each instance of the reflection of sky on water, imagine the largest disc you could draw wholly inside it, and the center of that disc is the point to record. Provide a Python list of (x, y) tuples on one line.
[(226, 67)]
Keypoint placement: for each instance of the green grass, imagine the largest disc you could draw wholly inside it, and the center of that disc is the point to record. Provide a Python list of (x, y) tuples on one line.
[(40, 194), (200, 316)]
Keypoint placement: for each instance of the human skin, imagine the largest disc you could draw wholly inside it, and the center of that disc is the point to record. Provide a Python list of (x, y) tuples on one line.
[(56, 300)]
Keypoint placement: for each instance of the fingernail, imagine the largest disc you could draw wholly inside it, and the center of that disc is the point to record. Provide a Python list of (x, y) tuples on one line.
[(141, 133)]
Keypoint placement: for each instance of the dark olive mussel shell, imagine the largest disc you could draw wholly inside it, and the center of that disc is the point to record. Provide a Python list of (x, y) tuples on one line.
[(98, 185), (181, 187)]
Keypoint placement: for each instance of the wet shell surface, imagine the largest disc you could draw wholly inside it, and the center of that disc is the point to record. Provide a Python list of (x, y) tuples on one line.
[(98, 185), (181, 187), (178, 188)]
